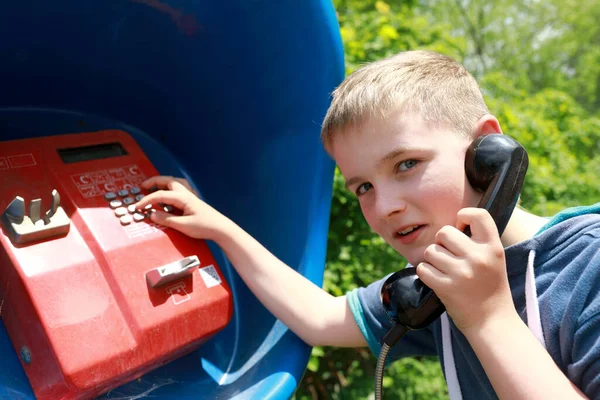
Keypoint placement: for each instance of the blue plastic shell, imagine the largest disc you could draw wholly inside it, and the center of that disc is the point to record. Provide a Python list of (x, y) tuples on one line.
[(229, 94)]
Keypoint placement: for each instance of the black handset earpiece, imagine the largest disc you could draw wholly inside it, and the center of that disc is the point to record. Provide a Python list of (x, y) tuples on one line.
[(496, 165)]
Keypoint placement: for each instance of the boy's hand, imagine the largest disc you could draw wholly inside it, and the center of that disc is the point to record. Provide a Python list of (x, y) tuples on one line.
[(198, 219), (469, 274)]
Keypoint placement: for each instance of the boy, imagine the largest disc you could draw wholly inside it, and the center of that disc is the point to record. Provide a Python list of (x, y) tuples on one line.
[(398, 130)]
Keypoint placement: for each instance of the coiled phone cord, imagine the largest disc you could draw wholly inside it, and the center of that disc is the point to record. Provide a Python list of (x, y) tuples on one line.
[(389, 340)]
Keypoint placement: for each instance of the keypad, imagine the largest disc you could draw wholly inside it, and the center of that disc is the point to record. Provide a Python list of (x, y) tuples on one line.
[(137, 217), (123, 204)]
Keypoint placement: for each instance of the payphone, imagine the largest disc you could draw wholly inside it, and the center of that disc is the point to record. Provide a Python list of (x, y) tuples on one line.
[(92, 293)]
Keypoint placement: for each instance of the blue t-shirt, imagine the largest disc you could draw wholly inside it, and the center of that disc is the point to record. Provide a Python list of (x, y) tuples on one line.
[(567, 279)]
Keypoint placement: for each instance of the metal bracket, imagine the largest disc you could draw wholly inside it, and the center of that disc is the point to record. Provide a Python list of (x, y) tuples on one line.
[(23, 229)]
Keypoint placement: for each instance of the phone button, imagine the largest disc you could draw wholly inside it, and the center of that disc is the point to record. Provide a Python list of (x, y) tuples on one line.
[(110, 196)]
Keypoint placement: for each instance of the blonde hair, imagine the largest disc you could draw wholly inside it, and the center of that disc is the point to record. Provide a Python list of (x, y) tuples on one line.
[(433, 85)]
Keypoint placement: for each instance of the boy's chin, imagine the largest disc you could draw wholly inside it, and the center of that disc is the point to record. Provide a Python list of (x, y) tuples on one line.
[(414, 256), (414, 262)]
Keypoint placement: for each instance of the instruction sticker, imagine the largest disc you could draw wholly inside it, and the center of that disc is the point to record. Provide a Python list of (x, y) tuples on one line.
[(96, 183), (210, 276)]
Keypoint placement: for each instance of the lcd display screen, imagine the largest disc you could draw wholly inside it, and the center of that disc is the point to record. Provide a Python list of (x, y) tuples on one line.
[(94, 152)]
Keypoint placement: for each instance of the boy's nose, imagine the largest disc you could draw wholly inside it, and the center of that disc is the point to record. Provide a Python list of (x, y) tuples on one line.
[(389, 205)]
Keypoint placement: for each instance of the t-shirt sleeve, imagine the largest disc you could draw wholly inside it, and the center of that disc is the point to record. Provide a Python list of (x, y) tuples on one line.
[(374, 323)]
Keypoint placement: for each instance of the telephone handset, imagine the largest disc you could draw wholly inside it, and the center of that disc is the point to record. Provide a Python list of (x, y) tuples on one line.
[(495, 164)]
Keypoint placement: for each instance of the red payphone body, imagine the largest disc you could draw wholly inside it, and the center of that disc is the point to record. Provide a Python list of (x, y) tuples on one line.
[(92, 293)]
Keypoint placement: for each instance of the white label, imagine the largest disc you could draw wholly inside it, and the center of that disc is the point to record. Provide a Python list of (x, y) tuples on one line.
[(21, 160), (178, 293), (210, 276), (143, 229)]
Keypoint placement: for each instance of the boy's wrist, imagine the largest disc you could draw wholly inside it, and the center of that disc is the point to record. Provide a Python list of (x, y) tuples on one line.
[(222, 232), (492, 327)]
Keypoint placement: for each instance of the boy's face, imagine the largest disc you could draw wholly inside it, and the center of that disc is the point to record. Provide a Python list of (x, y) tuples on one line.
[(406, 175)]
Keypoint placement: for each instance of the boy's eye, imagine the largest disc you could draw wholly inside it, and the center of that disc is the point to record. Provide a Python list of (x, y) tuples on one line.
[(364, 188), (406, 165)]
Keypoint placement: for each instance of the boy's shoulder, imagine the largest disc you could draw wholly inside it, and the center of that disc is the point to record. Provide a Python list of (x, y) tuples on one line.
[(567, 246), (579, 217), (569, 232), (567, 260)]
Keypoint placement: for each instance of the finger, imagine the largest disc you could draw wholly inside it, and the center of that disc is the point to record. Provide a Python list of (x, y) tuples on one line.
[(166, 182), (453, 240), (163, 218), (180, 185), (431, 276), (183, 224), (441, 258), (159, 181), (176, 199), (482, 225), (167, 219)]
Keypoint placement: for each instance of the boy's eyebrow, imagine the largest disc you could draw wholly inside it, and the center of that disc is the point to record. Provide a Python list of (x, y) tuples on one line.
[(389, 156), (352, 181)]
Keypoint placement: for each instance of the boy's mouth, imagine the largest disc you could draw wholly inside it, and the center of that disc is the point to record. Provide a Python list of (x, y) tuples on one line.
[(408, 234)]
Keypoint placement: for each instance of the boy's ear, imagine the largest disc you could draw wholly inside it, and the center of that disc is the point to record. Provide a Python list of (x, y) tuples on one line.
[(486, 125)]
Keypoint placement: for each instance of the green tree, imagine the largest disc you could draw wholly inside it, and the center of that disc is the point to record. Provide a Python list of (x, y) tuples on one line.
[(563, 144), (552, 44)]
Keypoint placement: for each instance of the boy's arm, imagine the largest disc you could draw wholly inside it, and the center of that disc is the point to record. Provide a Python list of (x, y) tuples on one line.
[(317, 317), (517, 364)]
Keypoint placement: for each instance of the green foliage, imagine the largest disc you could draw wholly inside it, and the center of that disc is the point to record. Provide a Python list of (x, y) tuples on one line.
[(541, 77), (563, 143), (372, 30), (539, 45)]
